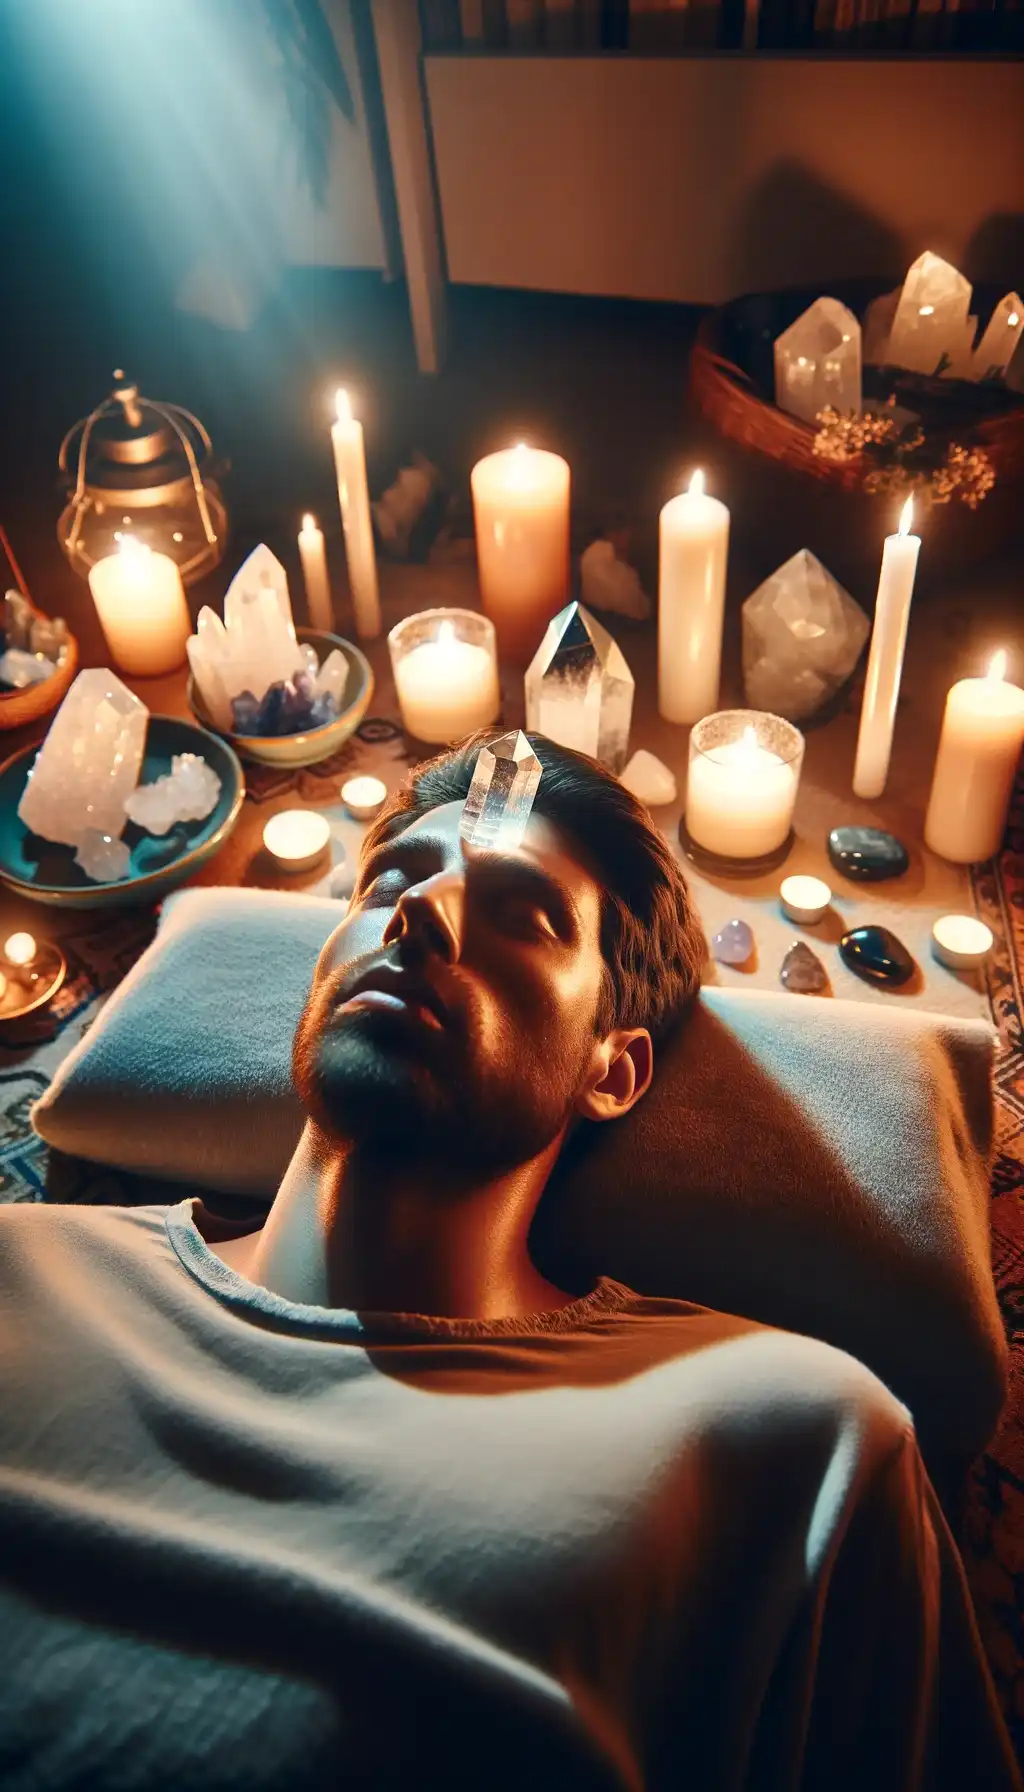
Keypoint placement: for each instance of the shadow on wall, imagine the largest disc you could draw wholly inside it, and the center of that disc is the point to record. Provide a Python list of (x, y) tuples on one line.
[(995, 252), (796, 230)]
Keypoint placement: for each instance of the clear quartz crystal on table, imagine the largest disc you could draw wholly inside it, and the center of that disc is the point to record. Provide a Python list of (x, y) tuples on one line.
[(1003, 334), (19, 668), (931, 317), (877, 327), (89, 762), (255, 645), (332, 677), (505, 783), (817, 362), (802, 637), (188, 792), (579, 689), (103, 857)]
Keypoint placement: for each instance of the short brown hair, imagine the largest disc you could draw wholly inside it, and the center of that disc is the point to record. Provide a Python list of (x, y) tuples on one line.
[(652, 941)]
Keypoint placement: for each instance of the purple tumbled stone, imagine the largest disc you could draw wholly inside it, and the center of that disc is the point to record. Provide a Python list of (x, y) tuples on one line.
[(245, 711), (271, 709), (734, 943), (803, 972)]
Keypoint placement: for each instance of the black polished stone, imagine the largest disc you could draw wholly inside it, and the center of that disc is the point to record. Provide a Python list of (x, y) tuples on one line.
[(876, 955), (867, 855)]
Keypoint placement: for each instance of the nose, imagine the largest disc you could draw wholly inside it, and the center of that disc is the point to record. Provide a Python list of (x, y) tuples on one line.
[(431, 916)]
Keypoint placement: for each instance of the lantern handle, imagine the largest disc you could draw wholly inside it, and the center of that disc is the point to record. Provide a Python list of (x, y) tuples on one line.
[(170, 414)]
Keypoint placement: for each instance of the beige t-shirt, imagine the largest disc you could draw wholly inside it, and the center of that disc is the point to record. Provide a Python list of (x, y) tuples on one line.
[(629, 1544)]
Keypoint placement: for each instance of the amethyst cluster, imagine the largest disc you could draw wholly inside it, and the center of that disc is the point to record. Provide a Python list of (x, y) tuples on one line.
[(291, 706)]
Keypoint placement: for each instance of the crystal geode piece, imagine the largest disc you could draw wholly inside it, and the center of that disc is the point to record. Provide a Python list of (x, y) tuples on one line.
[(1003, 334), (188, 792), (802, 638), (930, 327), (817, 362), (103, 858), (579, 689), (89, 762), (501, 796)]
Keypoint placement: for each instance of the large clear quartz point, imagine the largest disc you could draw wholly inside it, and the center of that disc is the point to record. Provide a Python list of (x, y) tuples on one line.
[(579, 689), (802, 637), (931, 322), (500, 799), (817, 362), (254, 647), (1003, 333), (89, 762)]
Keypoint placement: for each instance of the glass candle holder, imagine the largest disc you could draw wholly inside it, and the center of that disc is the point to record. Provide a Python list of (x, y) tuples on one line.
[(743, 776), (445, 667)]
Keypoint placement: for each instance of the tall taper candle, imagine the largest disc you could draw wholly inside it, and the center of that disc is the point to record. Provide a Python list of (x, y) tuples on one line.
[(314, 572), (979, 751), (694, 552), (885, 658), (354, 498), (521, 514)]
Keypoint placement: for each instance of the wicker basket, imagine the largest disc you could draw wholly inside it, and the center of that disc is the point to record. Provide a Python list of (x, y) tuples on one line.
[(18, 708), (790, 492)]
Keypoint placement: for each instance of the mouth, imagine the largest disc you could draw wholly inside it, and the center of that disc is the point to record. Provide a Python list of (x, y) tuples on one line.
[(392, 992)]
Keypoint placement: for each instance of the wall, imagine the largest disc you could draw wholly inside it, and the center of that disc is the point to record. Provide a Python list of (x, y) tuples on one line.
[(698, 179)]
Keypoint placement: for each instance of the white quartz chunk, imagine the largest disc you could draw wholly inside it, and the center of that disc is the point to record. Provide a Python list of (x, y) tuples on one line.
[(188, 792), (255, 646), (931, 318), (817, 362), (332, 676), (802, 637), (1003, 334), (89, 762), (649, 779), (103, 858), (608, 583)]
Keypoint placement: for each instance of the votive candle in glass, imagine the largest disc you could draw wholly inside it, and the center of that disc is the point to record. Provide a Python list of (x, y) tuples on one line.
[(445, 667), (521, 513), (744, 771)]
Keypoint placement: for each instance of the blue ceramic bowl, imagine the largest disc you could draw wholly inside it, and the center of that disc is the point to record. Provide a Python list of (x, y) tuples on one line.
[(46, 872)]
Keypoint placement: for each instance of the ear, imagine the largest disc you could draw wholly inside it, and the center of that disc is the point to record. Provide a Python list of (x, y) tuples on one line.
[(620, 1072)]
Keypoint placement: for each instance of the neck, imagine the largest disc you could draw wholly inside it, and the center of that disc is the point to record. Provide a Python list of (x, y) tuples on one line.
[(349, 1229)]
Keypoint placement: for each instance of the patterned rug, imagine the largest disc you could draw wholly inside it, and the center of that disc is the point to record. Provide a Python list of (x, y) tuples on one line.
[(993, 1535), (993, 1538)]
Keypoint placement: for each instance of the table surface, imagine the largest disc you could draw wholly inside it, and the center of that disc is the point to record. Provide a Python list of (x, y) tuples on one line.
[(946, 639)]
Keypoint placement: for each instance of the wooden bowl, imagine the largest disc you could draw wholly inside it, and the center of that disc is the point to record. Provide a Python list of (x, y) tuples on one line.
[(36, 700)]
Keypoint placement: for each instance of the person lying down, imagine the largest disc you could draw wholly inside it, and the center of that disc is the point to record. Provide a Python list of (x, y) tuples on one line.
[(359, 1499)]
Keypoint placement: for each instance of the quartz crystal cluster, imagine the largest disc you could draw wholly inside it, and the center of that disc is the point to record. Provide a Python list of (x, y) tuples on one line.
[(84, 783), (802, 637), (927, 326), (579, 689), (31, 646), (505, 782), (818, 362), (253, 675)]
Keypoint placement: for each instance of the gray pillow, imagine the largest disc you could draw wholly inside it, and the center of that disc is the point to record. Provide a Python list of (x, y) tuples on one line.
[(818, 1165)]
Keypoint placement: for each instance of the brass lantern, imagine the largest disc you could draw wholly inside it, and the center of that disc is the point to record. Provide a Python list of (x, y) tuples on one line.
[(135, 465)]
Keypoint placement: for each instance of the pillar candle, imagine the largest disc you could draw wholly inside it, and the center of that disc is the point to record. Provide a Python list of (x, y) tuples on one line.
[(354, 498), (979, 750), (314, 572), (140, 601), (521, 511), (885, 657), (694, 552), (446, 688), (739, 799)]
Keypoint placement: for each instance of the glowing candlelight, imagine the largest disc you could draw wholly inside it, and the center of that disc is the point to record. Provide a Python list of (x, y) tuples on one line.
[(885, 657), (979, 749), (694, 552)]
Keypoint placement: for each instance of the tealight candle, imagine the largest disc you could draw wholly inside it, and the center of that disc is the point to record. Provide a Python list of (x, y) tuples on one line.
[(140, 601), (35, 971), (979, 751), (521, 515), (805, 899), (20, 949), (961, 941), (296, 838), (364, 797)]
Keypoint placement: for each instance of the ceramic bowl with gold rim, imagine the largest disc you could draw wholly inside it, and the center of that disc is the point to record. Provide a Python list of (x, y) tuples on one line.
[(316, 743), (46, 872)]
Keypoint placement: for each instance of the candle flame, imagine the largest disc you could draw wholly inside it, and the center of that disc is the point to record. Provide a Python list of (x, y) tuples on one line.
[(131, 547), (749, 737), (907, 517), (446, 632), (20, 948), (927, 311), (343, 405), (697, 482), (998, 665), (520, 449), (1014, 319), (308, 520)]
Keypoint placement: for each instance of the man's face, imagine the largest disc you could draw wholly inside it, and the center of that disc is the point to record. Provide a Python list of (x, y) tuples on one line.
[(453, 1012)]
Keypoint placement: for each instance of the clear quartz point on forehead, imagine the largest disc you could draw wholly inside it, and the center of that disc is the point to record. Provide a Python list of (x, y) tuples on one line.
[(502, 793)]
